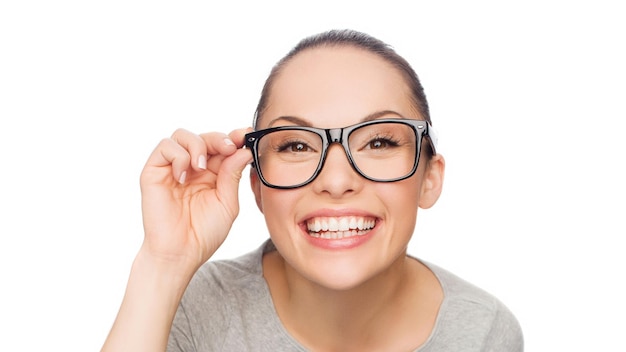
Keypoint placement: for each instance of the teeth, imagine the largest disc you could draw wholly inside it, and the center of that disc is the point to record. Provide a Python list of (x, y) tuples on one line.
[(344, 224), (339, 227), (333, 224)]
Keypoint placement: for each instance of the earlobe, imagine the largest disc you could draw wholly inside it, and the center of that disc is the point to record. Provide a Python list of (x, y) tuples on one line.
[(255, 184), (432, 182)]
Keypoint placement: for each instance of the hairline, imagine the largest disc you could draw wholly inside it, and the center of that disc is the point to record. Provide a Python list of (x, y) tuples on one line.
[(346, 39)]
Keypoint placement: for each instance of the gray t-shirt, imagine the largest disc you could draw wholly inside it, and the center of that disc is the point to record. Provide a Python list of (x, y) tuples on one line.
[(228, 307)]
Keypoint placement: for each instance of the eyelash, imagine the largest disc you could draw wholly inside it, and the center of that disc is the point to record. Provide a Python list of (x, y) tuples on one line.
[(287, 144), (391, 142)]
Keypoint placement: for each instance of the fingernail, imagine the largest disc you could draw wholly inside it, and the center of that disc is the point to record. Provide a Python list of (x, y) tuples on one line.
[(227, 141), (202, 162), (182, 178)]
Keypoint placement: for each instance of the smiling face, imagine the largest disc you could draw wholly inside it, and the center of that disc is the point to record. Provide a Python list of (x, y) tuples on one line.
[(342, 230)]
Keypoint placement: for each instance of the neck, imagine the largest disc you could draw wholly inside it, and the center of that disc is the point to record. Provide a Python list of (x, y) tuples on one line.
[(356, 305)]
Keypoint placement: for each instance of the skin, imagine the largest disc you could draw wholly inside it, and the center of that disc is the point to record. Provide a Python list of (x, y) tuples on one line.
[(189, 189), (337, 299), (329, 300)]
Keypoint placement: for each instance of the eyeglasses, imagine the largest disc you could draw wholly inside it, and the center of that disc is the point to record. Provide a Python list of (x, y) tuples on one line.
[(384, 150)]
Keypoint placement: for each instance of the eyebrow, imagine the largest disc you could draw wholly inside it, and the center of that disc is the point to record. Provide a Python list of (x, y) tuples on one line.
[(302, 122)]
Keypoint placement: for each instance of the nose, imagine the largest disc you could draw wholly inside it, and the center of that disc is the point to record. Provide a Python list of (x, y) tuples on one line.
[(337, 177)]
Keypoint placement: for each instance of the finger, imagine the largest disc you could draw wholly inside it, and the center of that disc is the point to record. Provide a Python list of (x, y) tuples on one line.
[(215, 161), (229, 176), (168, 153), (218, 144), (238, 136), (195, 146)]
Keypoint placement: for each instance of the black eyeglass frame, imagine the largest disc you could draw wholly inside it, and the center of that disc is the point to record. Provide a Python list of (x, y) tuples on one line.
[(341, 135)]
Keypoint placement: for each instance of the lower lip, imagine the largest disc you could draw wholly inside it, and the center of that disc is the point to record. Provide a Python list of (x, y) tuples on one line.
[(339, 243)]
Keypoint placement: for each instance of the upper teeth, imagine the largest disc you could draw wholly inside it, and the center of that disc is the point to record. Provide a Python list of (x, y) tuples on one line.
[(344, 223)]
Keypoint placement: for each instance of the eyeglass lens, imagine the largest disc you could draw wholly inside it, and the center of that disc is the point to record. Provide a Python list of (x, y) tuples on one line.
[(381, 151)]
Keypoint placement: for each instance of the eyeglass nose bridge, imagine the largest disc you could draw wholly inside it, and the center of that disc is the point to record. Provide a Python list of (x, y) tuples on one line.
[(335, 135)]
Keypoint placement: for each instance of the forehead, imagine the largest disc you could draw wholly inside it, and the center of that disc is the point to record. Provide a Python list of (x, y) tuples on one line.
[(337, 86)]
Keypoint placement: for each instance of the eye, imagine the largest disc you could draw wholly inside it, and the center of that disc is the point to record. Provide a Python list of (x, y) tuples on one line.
[(377, 144), (381, 143), (294, 147)]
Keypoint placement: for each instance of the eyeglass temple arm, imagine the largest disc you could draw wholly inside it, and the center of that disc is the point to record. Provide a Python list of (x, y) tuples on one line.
[(432, 136)]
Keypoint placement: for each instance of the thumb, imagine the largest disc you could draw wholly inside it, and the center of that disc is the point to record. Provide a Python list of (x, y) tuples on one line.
[(228, 177)]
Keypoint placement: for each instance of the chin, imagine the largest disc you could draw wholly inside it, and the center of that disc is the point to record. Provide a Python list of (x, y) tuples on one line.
[(339, 273)]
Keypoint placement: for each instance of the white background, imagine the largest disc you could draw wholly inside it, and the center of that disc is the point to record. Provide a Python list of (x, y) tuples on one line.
[(528, 99)]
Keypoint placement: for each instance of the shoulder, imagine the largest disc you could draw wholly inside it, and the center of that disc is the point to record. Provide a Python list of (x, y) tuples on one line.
[(221, 278), (223, 299), (473, 319)]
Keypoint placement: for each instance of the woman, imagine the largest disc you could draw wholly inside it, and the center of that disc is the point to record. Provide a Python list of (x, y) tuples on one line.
[(342, 158)]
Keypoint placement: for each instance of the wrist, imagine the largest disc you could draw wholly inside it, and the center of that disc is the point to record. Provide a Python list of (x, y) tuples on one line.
[(164, 273), (155, 288)]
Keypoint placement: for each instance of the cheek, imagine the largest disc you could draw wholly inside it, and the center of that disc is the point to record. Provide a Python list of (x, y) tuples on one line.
[(404, 193), (404, 217), (278, 206), (401, 200), (406, 203)]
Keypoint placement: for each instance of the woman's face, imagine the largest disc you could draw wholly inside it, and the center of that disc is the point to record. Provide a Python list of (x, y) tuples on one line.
[(330, 88)]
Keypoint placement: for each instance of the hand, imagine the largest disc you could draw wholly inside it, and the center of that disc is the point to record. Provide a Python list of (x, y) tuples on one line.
[(189, 189)]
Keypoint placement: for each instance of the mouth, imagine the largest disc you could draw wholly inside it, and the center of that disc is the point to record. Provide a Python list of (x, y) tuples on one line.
[(339, 227)]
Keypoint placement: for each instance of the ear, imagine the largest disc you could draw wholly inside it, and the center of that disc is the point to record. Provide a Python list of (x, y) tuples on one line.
[(255, 184), (432, 182)]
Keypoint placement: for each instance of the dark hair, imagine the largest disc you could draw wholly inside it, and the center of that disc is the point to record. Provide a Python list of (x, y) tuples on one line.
[(359, 40)]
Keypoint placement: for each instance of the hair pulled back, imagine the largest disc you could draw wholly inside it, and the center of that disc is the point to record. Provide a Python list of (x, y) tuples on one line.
[(346, 37)]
